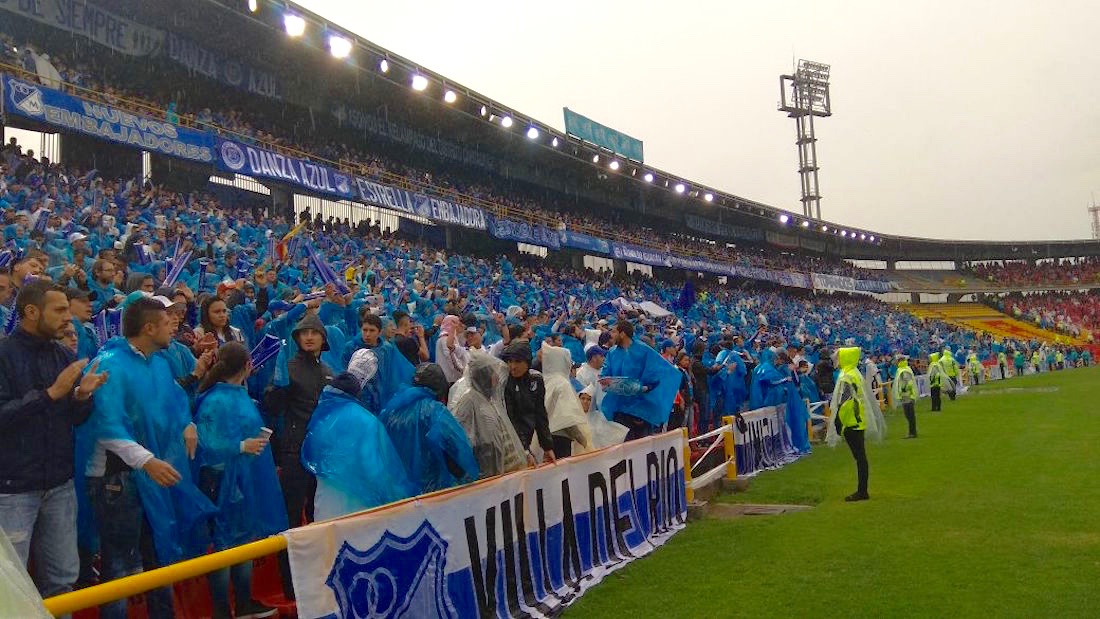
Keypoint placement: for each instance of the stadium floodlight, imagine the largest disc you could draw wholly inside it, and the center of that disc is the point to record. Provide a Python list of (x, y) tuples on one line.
[(338, 46), (709, 197), (295, 25), (784, 218), (506, 122), (253, 5), (384, 66), (532, 133), (484, 110), (844, 233), (824, 228), (804, 95), (862, 236), (872, 239), (648, 177), (419, 82), (595, 158), (805, 223), (614, 165), (450, 96), (680, 188), (554, 142)]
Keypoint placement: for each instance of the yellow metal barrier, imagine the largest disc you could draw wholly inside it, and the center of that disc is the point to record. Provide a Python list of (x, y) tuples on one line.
[(127, 586), (688, 490), (728, 447)]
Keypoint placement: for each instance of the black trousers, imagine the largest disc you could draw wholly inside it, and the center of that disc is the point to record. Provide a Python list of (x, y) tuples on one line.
[(910, 409), (563, 446), (855, 441), (299, 486), (951, 392), (936, 402)]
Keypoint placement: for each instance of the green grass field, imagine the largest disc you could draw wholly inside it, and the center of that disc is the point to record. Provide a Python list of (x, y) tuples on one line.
[(993, 511)]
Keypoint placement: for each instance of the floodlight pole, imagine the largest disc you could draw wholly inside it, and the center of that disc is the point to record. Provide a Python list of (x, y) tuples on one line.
[(803, 96)]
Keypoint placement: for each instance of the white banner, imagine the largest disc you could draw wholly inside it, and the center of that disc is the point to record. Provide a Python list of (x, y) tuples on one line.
[(499, 547), (763, 442)]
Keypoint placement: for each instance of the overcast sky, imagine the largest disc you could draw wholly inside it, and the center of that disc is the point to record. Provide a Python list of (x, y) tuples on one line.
[(961, 119)]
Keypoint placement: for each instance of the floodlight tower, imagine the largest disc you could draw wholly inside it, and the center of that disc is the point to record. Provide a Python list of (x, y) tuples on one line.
[(805, 95), (1094, 214)]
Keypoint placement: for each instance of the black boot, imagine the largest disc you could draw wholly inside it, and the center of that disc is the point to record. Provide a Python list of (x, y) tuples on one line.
[(858, 496)]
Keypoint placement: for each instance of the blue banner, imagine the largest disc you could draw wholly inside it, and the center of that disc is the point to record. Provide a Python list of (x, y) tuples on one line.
[(731, 231), (521, 232), (640, 255), (262, 163), (593, 132), (106, 122), (225, 69), (584, 242), (435, 209)]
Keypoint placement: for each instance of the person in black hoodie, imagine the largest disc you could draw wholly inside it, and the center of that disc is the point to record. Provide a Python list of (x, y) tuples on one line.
[(525, 398), (295, 403), (42, 397)]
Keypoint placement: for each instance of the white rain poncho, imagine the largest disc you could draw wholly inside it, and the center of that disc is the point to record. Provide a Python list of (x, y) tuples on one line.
[(563, 408), (903, 378), (477, 402), (604, 433)]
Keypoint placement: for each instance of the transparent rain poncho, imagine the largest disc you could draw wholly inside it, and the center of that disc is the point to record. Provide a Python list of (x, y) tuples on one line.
[(477, 402), (851, 381), (563, 408)]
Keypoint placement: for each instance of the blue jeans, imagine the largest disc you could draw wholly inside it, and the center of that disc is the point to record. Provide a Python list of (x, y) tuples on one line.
[(125, 541), (49, 518)]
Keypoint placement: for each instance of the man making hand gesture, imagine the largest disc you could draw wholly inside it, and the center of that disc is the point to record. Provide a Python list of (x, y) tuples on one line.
[(42, 397)]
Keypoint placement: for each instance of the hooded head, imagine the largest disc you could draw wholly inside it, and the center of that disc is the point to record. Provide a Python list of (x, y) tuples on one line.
[(903, 363), (363, 366), (848, 358), (312, 322), (555, 361), (485, 373), (935, 357), (431, 376)]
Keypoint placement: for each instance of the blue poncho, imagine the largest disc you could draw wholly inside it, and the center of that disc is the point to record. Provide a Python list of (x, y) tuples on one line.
[(642, 363), (394, 373), (351, 454), (426, 435), (142, 402), (733, 381), (250, 501), (764, 378)]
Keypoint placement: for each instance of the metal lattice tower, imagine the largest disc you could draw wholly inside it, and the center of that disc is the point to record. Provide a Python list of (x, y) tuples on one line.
[(1094, 214), (803, 96)]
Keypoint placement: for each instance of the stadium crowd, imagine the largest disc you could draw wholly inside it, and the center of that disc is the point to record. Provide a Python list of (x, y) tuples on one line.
[(248, 124), (1066, 271), (269, 341), (1073, 313), (179, 376)]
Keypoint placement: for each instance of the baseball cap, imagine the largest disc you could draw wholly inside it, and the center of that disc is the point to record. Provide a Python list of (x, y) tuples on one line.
[(77, 236), (165, 301)]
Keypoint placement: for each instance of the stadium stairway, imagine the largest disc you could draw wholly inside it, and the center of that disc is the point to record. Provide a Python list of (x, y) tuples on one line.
[(983, 318)]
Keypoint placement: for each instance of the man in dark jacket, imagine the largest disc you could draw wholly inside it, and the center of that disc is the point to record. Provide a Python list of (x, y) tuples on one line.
[(295, 402), (525, 398), (42, 397)]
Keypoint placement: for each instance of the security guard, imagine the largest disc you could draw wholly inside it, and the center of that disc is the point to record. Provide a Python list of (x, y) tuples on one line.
[(905, 394), (850, 402)]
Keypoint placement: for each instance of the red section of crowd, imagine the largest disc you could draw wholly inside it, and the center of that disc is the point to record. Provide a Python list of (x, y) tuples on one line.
[(1053, 272)]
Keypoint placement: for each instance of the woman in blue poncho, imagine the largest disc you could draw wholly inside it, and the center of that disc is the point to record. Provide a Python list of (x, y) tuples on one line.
[(765, 377), (431, 443), (347, 448), (237, 472)]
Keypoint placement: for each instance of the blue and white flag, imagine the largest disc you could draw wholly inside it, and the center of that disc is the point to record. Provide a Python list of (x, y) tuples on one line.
[(265, 350), (526, 544), (324, 271), (178, 264)]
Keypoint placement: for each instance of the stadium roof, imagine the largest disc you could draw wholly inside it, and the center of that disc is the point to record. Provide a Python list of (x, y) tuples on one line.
[(248, 36)]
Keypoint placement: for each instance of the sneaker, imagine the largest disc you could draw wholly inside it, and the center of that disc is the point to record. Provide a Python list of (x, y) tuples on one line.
[(911, 436), (852, 498), (254, 610)]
